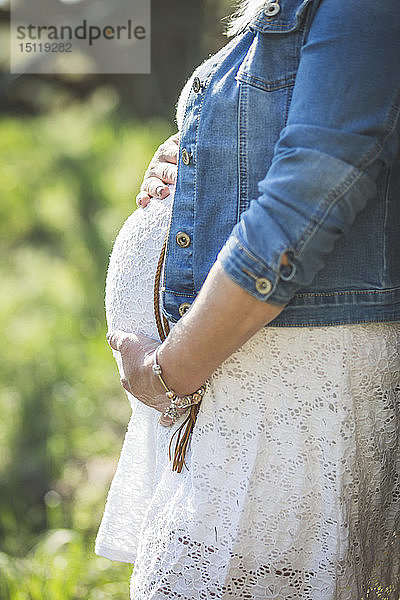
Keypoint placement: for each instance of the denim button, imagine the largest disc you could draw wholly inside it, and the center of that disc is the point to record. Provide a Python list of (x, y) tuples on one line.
[(272, 9), (183, 308), (185, 157), (196, 85), (263, 285), (182, 239)]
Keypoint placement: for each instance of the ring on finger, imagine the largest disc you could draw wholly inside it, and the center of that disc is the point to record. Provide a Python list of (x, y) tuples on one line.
[(159, 189)]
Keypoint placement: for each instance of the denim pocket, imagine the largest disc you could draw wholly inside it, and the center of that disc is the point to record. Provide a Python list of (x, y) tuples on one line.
[(272, 60)]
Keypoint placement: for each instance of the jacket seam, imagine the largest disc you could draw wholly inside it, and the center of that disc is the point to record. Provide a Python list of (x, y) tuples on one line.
[(333, 323), (258, 260), (288, 26), (242, 201), (385, 224), (323, 209), (345, 293), (180, 294), (267, 85)]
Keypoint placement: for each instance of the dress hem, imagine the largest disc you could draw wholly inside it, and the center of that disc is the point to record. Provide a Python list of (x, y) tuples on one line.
[(112, 554)]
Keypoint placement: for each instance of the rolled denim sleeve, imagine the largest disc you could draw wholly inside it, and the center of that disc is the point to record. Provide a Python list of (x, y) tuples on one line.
[(342, 127)]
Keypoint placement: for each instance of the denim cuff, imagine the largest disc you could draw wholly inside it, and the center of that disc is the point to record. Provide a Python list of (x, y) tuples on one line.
[(254, 275)]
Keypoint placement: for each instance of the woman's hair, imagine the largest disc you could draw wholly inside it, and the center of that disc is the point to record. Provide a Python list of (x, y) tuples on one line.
[(246, 10)]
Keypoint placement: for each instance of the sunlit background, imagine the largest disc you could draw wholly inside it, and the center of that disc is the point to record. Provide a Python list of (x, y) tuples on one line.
[(73, 150)]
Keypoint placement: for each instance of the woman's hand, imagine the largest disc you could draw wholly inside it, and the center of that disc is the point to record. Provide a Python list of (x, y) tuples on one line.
[(161, 171), (139, 380), (199, 342)]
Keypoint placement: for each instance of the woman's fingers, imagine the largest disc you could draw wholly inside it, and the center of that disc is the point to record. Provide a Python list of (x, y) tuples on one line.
[(142, 199), (168, 151), (125, 384), (159, 175), (165, 421), (119, 340), (161, 172), (165, 171), (133, 347), (155, 187)]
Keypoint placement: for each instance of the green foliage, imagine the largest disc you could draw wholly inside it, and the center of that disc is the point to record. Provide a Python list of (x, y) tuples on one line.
[(67, 183), (61, 567)]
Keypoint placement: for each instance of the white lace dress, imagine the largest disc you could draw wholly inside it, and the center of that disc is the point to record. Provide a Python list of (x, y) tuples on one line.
[(293, 486)]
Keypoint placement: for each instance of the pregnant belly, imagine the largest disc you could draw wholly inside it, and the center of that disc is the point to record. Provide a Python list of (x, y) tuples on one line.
[(131, 271)]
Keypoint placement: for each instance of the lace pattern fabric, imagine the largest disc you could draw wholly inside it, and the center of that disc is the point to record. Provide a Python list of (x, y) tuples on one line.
[(293, 487)]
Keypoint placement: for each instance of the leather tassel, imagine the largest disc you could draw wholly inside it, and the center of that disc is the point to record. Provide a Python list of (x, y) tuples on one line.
[(182, 441)]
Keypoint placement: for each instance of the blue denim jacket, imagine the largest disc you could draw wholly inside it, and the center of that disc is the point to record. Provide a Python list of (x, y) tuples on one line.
[(290, 145)]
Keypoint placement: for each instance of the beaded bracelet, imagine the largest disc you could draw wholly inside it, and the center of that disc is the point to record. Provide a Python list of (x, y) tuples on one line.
[(176, 402)]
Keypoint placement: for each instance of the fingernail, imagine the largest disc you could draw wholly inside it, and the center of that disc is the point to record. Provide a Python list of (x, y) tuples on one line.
[(159, 190), (139, 200), (144, 202)]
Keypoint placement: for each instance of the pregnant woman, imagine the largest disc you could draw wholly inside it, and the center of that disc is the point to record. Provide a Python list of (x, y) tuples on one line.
[(280, 286)]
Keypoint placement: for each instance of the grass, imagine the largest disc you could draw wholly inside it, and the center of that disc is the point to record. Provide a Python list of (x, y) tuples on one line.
[(62, 566)]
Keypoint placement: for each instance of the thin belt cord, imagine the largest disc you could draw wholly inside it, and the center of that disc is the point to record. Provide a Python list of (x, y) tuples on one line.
[(162, 325), (163, 328)]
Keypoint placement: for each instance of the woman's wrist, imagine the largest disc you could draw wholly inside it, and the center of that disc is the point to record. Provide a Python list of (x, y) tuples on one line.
[(154, 382), (177, 378), (176, 402)]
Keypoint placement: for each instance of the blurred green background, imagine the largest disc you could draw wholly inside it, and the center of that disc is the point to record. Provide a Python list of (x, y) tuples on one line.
[(73, 151)]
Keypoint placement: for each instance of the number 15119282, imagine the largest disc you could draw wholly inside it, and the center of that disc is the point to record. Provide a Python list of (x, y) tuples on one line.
[(45, 47)]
